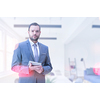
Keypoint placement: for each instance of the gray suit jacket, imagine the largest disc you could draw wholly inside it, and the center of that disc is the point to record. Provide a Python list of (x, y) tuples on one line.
[(21, 57)]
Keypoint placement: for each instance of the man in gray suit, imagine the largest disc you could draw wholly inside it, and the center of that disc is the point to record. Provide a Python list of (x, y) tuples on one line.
[(31, 50)]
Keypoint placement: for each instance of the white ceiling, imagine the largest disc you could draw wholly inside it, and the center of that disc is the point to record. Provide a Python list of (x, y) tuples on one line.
[(72, 27), (89, 34), (46, 32), (84, 32)]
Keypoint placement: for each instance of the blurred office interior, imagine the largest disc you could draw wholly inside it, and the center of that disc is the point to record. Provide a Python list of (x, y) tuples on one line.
[(71, 41)]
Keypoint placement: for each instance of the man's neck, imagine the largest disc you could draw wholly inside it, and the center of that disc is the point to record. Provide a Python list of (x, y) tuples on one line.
[(34, 41)]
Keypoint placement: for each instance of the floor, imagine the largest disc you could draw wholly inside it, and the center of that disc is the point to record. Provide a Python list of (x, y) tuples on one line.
[(9, 79), (58, 78)]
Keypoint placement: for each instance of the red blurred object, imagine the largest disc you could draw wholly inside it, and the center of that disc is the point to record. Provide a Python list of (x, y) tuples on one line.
[(96, 68), (23, 71)]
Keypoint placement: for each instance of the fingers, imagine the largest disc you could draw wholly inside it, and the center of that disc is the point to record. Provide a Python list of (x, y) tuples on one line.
[(38, 69), (31, 67)]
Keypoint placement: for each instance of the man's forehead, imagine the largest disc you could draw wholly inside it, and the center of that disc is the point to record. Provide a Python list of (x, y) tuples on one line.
[(34, 27)]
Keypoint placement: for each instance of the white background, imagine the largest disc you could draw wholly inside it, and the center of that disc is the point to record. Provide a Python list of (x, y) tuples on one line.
[(51, 8)]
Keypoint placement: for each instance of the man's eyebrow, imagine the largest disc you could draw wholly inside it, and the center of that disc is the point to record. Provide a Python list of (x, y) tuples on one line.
[(34, 30)]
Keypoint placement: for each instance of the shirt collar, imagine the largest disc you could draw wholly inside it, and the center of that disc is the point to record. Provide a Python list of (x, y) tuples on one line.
[(32, 43)]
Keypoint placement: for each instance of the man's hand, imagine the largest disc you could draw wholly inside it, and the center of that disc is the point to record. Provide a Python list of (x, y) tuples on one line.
[(38, 69)]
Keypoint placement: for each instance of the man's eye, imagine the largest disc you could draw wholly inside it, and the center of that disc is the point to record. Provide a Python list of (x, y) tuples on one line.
[(37, 31)]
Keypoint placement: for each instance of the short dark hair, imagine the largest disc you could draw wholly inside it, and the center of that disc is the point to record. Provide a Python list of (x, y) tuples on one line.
[(35, 24)]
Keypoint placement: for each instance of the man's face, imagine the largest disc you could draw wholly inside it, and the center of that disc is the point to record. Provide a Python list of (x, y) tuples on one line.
[(34, 33)]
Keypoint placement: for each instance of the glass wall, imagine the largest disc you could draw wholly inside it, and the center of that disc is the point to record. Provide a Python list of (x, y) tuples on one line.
[(10, 44), (1, 52), (7, 44)]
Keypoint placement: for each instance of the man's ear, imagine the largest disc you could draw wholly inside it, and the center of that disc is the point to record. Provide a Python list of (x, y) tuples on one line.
[(40, 32), (28, 32)]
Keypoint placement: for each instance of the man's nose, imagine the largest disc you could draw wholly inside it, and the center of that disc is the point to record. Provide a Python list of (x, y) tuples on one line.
[(34, 32)]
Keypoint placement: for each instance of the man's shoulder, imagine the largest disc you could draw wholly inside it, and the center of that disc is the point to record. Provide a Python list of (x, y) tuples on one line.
[(23, 42)]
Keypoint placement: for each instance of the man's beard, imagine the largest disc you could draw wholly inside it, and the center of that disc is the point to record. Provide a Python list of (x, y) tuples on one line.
[(34, 39)]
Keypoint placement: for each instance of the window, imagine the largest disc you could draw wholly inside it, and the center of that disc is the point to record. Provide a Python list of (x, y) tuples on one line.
[(1, 41), (1, 52), (1, 62), (7, 44), (10, 45)]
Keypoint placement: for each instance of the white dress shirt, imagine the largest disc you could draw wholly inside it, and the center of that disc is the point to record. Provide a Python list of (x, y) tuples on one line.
[(33, 47)]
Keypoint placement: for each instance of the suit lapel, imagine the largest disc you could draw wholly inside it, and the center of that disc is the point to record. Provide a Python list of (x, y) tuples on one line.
[(40, 48), (30, 49)]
